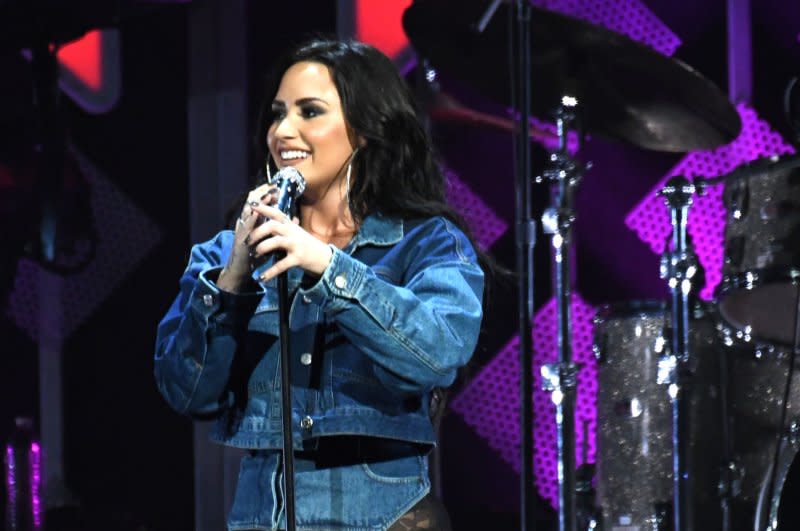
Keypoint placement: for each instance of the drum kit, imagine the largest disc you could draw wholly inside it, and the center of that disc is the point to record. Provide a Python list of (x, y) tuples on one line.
[(698, 407)]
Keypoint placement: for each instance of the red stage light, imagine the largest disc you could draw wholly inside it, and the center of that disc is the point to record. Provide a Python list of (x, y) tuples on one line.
[(380, 24), (84, 59)]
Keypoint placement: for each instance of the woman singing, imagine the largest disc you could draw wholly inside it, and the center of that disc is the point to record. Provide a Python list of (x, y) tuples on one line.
[(385, 290)]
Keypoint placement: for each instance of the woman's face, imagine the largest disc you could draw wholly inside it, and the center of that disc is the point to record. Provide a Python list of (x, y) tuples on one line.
[(309, 131)]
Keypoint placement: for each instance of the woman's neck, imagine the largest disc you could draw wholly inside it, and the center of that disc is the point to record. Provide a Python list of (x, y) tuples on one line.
[(328, 219)]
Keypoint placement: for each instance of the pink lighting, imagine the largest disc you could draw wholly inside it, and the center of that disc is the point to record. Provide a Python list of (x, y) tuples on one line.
[(36, 484), (485, 225), (650, 218), (490, 403), (629, 17), (11, 483), (23, 474)]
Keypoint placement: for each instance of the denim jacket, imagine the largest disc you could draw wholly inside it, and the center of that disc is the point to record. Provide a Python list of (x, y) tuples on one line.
[(395, 314)]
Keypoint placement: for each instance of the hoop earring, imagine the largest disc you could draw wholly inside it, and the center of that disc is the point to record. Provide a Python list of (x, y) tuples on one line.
[(347, 179), (269, 171)]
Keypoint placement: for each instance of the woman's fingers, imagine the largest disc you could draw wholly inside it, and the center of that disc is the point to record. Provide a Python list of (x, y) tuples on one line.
[(270, 244), (279, 267), (266, 194), (271, 212), (264, 231), (280, 232)]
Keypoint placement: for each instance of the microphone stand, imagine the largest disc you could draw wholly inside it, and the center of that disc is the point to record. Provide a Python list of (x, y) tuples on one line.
[(525, 243), (525, 230), (286, 398), (290, 185)]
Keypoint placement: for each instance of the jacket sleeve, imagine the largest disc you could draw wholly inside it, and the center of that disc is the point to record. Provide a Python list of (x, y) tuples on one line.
[(420, 330), (197, 339)]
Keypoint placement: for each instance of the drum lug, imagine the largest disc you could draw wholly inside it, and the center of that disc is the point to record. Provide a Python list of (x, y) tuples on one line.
[(667, 366), (661, 519), (557, 377), (730, 482), (737, 193), (599, 347), (793, 434)]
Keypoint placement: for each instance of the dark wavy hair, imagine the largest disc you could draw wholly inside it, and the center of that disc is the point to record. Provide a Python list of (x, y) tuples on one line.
[(395, 171)]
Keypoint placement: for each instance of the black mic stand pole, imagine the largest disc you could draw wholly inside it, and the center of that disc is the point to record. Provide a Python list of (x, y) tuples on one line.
[(290, 185), (286, 398), (290, 188), (525, 228), (526, 240)]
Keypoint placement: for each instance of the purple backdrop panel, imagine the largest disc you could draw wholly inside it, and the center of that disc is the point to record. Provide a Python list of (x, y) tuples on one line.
[(490, 403), (650, 218), (629, 17), (126, 235), (485, 225)]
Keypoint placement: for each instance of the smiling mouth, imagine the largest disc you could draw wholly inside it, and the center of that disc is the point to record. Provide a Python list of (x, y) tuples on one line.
[(293, 155)]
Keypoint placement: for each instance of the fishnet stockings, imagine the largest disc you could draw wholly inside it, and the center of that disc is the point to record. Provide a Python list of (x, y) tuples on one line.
[(429, 514)]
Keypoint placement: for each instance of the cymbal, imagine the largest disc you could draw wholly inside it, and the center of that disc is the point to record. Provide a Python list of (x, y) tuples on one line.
[(625, 90)]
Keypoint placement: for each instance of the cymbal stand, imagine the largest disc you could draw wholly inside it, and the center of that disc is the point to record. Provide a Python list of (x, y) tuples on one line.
[(679, 266), (564, 173)]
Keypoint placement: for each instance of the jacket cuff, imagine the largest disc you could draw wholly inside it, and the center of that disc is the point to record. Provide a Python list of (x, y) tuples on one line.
[(223, 307), (340, 282)]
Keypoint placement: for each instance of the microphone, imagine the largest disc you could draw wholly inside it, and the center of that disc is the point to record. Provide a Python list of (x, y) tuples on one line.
[(291, 185)]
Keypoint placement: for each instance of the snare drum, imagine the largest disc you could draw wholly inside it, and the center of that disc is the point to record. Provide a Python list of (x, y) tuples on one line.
[(758, 293), (634, 439)]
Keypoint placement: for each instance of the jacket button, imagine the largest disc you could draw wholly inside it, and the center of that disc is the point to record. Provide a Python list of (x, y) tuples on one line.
[(306, 299), (305, 359), (208, 300), (340, 281), (306, 422)]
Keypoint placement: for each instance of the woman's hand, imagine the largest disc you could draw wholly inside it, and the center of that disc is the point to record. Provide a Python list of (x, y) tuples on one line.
[(237, 270), (280, 233)]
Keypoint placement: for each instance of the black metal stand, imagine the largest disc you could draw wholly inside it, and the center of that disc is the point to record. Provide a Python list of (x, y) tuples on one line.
[(525, 241), (286, 400), (290, 185), (561, 378), (51, 144), (679, 266)]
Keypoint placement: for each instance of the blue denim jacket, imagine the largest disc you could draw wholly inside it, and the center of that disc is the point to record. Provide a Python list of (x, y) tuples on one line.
[(395, 314)]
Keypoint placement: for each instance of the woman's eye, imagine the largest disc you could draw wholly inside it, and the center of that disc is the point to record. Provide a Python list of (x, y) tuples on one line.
[(310, 111)]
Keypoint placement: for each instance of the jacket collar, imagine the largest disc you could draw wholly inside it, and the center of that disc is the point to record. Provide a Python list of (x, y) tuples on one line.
[(377, 229)]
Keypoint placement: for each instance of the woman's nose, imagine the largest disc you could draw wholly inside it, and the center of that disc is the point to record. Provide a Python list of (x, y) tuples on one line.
[(284, 128)]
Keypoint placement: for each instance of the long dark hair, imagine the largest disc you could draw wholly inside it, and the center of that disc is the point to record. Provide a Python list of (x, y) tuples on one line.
[(395, 170)]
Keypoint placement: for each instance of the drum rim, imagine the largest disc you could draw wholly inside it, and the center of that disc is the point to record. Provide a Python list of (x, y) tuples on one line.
[(753, 278), (629, 309), (759, 168)]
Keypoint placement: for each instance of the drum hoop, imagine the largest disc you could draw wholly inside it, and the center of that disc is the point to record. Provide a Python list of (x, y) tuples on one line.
[(630, 309), (754, 278), (758, 168)]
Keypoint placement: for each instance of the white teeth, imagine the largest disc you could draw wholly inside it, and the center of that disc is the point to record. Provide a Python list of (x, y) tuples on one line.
[(293, 154)]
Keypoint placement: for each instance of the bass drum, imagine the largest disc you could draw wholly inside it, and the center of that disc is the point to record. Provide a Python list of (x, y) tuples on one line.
[(757, 380), (634, 434), (758, 294)]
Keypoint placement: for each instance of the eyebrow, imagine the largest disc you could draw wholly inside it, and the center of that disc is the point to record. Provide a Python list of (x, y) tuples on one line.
[(301, 101)]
